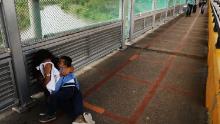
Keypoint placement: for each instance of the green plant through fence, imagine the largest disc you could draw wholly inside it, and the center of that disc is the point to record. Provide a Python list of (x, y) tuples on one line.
[(95, 10)]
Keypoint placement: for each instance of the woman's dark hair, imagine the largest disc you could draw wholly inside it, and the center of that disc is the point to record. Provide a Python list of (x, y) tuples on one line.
[(67, 60), (42, 55)]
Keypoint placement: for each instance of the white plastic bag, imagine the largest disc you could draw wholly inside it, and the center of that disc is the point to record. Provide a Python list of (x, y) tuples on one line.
[(55, 76), (88, 118)]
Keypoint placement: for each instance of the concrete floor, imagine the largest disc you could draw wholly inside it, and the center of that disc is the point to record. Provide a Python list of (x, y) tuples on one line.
[(159, 80)]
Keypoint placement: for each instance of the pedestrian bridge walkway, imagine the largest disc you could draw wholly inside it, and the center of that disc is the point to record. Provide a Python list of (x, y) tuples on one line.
[(158, 80)]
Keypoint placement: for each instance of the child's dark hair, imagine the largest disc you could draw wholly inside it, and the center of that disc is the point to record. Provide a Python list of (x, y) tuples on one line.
[(67, 60), (42, 55)]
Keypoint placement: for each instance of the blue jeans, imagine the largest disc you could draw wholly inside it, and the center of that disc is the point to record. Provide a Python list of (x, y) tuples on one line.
[(67, 98), (189, 10)]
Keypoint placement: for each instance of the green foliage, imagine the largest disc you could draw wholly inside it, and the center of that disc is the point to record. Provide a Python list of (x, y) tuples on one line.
[(95, 10), (98, 10), (22, 14)]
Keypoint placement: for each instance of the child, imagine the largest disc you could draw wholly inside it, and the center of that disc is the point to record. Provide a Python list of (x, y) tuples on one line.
[(67, 93), (47, 65)]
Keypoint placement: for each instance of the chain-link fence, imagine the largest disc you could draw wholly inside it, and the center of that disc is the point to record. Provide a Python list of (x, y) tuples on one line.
[(171, 3), (142, 6), (2, 33), (39, 19), (2, 37), (161, 4)]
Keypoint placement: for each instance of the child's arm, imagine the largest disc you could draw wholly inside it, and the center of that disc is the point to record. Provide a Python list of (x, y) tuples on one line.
[(47, 73)]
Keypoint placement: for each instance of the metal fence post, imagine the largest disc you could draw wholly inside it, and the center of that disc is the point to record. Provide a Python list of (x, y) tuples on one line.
[(35, 18), (167, 9), (174, 9), (123, 19), (131, 20), (153, 10), (13, 38)]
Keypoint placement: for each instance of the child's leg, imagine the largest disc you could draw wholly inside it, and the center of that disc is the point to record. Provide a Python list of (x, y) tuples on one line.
[(77, 104), (57, 99)]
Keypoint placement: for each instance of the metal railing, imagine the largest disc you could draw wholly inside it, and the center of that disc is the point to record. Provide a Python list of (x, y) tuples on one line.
[(213, 79), (144, 22)]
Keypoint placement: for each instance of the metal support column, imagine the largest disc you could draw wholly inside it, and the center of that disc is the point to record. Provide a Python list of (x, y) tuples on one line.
[(15, 46), (153, 9), (174, 9), (35, 18), (131, 20), (122, 13), (167, 9)]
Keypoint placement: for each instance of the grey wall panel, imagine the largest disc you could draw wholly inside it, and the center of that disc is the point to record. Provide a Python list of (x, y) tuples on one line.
[(138, 25), (149, 21), (177, 9), (170, 13), (157, 18), (141, 25), (163, 16), (8, 93)]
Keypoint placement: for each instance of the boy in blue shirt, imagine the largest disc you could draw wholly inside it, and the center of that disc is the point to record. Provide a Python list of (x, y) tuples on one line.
[(190, 4), (67, 94)]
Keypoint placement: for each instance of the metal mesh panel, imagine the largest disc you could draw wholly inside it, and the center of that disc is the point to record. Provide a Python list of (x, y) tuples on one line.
[(149, 21), (161, 4), (157, 18), (7, 87), (2, 37), (83, 47), (42, 19), (142, 6), (138, 25), (170, 3), (2, 31), (142, 25), (177, 9), (163, 16), (170, 12)]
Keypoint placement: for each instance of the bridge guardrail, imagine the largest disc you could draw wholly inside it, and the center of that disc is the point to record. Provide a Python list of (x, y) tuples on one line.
[(213, 79)]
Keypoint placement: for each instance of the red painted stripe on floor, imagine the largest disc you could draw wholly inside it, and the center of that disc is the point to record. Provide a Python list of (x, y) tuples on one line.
[(100, 83), (94, 108), (104, 112), (115, 117), (134, 57), (132, 78), (149, 95)]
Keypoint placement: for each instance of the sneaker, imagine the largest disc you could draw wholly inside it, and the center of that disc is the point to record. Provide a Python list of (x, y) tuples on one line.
[(80, 119), (47, 118), (42, 114)]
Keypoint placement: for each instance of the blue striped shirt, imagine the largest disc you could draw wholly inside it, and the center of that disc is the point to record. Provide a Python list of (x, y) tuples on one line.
[(68, 79)]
